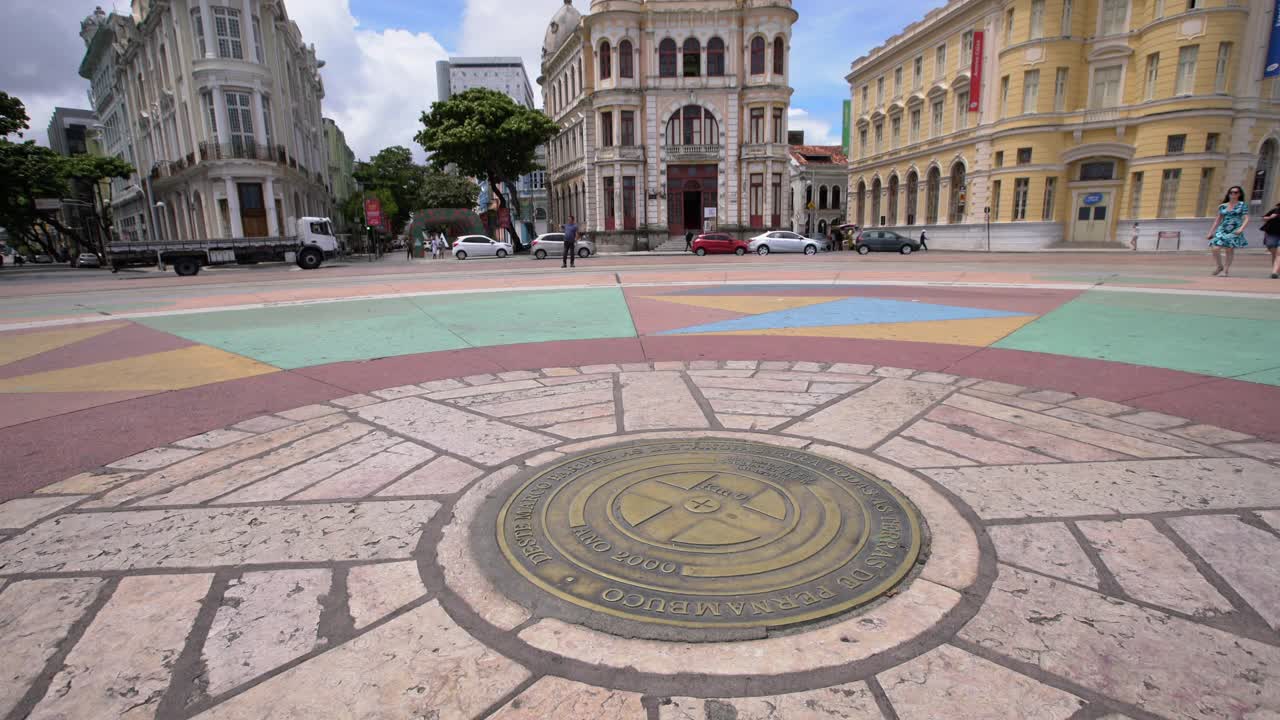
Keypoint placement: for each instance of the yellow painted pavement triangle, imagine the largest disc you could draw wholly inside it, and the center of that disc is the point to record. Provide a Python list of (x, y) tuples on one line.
[(20, 346), (975, 332), (747, 304), (169, 370)]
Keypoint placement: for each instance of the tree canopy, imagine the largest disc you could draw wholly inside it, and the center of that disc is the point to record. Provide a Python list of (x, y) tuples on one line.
[(405, 186), (442, 190)]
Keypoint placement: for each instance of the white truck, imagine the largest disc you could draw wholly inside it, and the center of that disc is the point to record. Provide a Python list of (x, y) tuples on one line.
[(313, 243)]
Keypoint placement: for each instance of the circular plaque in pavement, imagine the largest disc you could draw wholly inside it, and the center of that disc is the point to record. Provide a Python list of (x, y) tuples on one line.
[(709, 536)]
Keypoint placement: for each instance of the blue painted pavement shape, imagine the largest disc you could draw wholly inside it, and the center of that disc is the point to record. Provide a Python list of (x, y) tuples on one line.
[(847, 311)]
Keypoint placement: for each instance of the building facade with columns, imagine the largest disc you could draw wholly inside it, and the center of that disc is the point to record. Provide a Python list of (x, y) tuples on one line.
[(818, 177), (1076, 122), (217, 105), (673, 117)]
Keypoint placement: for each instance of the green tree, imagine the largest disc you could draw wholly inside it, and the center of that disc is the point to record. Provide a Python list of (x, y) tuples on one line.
[(28, 172), (97, 171), (485, 134), (392, 170), (442, 190), (353, 209), (13, 115)]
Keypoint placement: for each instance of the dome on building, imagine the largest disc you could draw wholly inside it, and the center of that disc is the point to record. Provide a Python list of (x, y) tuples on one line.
[(563, 24)]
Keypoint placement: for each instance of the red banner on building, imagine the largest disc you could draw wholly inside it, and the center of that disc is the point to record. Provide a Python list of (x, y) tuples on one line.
[(975, 74), (373, 212)]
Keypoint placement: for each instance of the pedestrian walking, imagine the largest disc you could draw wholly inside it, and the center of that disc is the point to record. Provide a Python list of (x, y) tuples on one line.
[(570, 243), (408, 247), (1271, 238), (688, 241), (1227, 232), (924, 241)]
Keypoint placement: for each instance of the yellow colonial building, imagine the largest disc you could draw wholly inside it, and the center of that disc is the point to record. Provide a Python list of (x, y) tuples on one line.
[(1092, 116)]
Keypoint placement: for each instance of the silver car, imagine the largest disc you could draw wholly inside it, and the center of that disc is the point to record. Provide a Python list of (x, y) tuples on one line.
[(553, 244), (783, 241), (88, 260), (479, 246)]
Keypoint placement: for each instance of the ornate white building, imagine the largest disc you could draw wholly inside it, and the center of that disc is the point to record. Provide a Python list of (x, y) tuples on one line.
[(673, 116), (217, 104)]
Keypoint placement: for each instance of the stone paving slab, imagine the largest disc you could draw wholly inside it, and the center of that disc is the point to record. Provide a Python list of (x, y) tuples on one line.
[(1087, 560)]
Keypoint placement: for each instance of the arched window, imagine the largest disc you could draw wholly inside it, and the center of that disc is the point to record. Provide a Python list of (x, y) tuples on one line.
[(692, 57), (913, 189), (667, 58), (606, 61), (757, 55), (692, 125), (808, 196), (1264, 176), (779, 50), (822, 227), (875, 202), (822, 198), (893, 200), (626, 60), (862, 203), (835, 198), (715, 57), (956, 214)]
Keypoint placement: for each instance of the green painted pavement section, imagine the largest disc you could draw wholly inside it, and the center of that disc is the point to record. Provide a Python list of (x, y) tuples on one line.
[(301, 336), (1225, 337)]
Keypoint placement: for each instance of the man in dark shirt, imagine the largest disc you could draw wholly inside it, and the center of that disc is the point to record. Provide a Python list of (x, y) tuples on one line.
[(570, 242), (688, 241)]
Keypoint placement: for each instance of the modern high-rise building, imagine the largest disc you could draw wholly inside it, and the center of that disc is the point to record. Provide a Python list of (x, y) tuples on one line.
[(70, 130), (673, 116), (217, 104), (1065, 121)]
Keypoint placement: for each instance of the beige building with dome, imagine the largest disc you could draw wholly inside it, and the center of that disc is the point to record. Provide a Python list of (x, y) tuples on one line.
[(673, 117), (1092, 116)]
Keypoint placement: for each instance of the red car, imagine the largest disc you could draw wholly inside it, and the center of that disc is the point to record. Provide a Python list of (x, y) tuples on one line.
[(711, 243)]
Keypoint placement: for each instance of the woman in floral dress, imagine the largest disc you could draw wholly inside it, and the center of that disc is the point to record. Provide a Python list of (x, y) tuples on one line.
[(1228, 229)]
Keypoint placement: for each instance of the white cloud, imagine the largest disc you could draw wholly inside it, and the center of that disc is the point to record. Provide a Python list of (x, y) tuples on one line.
[(506, 28), (816, 131), (377, 84)]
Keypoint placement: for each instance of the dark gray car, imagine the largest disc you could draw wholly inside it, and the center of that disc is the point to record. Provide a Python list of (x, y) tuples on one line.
[(886, 241)]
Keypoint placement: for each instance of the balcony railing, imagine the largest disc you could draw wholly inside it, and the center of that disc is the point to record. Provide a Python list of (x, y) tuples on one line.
[(1102, 115), (240, 151), (693, 152)]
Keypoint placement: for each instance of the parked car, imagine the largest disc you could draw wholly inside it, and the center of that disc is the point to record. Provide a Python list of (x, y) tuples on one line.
[(479, 246), (712, 243), (783, 241), (886, 241), (42, 260), (88, 260), (553, 244)]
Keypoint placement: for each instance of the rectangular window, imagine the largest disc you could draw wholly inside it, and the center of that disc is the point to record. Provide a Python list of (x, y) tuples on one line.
[(1157, 9), (1050, 186), (212, 115), (1004, 96), (606, 129), (610, 204), (778, 126), (879, 137), (1113, 16), (895, 131), (1106, 87), (897, 82), (1135, 195), (1008, 26), (915, 125), (1066, 18), (1037, 19), (757, 125), (1220, 70), (757, 200), (629, 202), (966, 48), (1187, 56), (1060, 90), (628, 118), (1202, 196), (226, 26), (999, 162), (866, 90), (1194, 4), (1169, 193), (962, 110), (776, 199), (1153, 76), (939, 62), (1021, 188), (1211, 142), (880, 91), (197, 29), (917, 73), (1175, 144), (995, 200), (935, 127), (266, 120), (240, 120), (862, 142), (1024, 156), (257, 42), (1030, 91)]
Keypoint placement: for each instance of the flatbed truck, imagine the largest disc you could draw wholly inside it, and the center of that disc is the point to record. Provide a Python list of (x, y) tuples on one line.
[(313, 243)]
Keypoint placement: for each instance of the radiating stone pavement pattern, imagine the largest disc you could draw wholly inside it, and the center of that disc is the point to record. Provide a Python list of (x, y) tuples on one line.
[(1089, 560)]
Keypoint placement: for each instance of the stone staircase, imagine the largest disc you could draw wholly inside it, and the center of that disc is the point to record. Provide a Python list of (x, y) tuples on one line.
[(674, 243)]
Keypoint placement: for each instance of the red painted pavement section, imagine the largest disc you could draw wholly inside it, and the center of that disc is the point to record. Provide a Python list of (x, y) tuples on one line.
[(129, 341), (19, 408), (1241, 406)]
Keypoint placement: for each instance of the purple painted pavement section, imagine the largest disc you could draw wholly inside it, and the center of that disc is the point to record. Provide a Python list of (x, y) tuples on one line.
[(129, 341)]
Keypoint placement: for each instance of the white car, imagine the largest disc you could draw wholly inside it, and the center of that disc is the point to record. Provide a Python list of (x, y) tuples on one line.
[(479, 246), (553, 244), (783, 241)]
